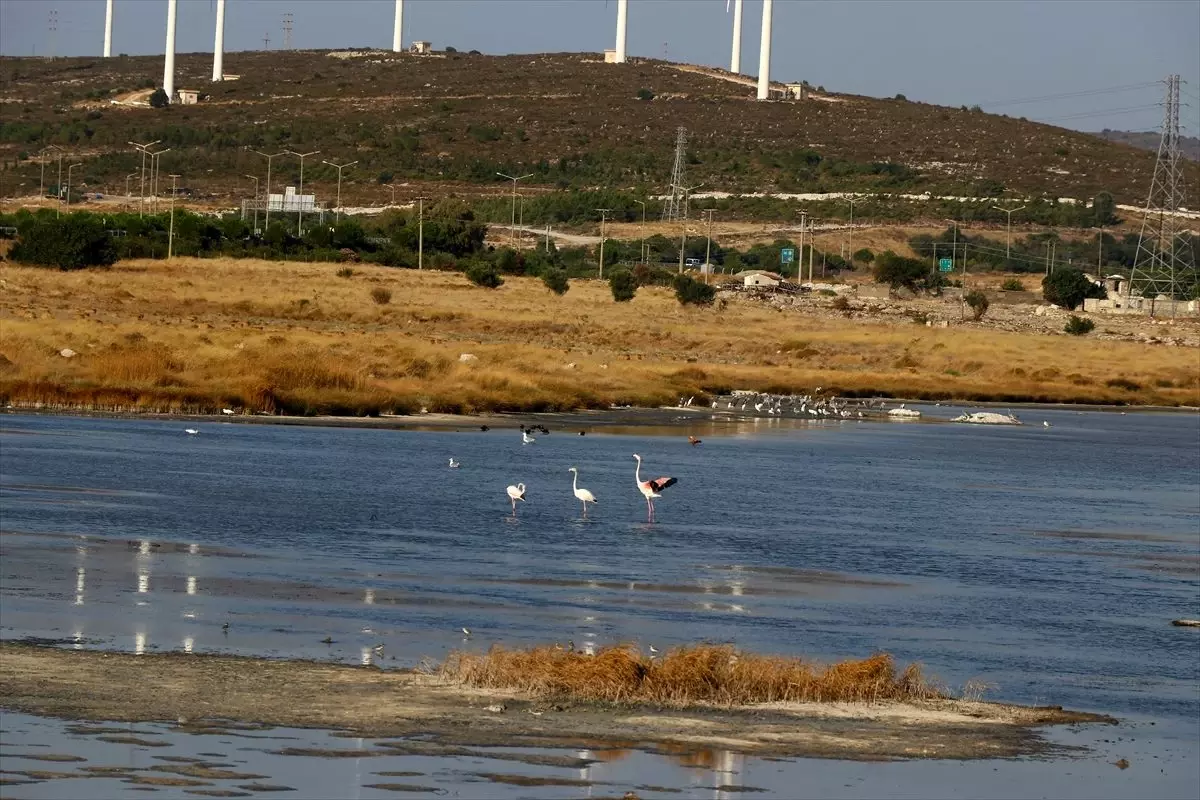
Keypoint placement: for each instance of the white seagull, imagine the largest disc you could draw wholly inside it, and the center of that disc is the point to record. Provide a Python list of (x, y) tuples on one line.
[(1045, 424), (582, 495), (526, 437), (516, 493), (227, 411), (190, 431), (453, 464)]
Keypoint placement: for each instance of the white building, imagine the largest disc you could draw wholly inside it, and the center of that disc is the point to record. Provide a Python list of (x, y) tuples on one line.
[(290, 201), (758, 277)]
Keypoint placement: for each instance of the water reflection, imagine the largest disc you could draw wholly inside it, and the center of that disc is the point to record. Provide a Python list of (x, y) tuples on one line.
[(143, 583), (80, 582), (188, 644), (366, 654), (139, 642), (191, 584), (369, 597), (193, 549)]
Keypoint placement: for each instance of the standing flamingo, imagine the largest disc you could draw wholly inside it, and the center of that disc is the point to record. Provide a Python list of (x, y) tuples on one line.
[(516, 493), (652, 488), (583, 495)]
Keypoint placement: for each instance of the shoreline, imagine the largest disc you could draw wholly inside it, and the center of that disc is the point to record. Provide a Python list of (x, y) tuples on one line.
[(212, 692)]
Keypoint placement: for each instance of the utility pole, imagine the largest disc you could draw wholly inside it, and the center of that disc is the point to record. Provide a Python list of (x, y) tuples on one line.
[(128, 196), (300, 193), (708, 247), (642, 232), (71, 167), (512, 225), (812, 239), (392, 186), (155, 166), (800, 255), (603, 217), (1008, 235), (339, 189), (421, 232), (142, 190), (954, 247), (1100, 255), (171, 229), (850, 245), (287, 31), (255, 179), (685, 191), (269, 158)]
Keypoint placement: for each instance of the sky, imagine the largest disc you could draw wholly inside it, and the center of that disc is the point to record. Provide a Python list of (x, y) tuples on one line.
[(1104, 54)]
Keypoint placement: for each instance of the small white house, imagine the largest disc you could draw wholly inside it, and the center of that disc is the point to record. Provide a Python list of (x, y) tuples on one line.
[(758, 277), (421, 48), (610, 56)]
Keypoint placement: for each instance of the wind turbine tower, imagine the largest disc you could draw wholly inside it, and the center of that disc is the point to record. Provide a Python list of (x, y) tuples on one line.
[(622, 28), (108, 29), (169, 67), (219, 44), (398, 28), (735, 63), (764, 53)]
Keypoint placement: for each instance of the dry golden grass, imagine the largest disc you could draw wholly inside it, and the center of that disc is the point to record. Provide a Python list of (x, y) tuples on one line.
[(701, 674), (196, 335)]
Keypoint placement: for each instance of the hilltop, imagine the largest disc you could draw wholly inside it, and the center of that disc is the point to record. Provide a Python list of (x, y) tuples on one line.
[(457, 119)]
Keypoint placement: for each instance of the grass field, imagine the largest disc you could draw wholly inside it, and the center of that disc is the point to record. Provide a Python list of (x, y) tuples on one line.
[(199, 335)]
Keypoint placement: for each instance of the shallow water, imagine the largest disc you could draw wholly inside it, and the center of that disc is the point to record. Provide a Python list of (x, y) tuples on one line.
[(1045, 561)]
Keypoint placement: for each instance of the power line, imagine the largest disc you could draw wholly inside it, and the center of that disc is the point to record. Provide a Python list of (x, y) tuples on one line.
[(1064, 95), (1104, 112)]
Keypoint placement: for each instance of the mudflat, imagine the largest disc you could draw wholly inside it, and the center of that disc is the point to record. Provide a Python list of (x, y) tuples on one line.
[(198, 692)]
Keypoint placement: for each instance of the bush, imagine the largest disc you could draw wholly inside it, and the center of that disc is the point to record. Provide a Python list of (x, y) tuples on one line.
[(1012, 285), (689, 291), (482, 273), (556, 280), (840, 303), (1079, 326), (1068, 288), (623, 285), (901, 97), (899, 272), (864, 255), (159, 99), (978, 302), (345, 272), (381, 296), (645, 94), (75, 241)]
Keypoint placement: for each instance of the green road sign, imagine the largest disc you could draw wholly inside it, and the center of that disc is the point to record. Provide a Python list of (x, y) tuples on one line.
[(945, 265), (787, 255)]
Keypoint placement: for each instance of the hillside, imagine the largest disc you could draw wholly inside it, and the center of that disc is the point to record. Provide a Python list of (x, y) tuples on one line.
[(458, 119), (1189, 146)]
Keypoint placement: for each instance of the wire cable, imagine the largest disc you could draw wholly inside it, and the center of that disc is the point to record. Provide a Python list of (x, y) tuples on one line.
[(1065, 95)]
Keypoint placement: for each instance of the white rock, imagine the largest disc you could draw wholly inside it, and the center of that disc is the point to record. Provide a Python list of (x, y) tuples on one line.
[(467, 357), (497, 709), (67, 352)]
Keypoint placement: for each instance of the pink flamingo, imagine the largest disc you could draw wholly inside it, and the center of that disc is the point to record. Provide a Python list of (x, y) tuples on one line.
[(516, 493), (652, 488)]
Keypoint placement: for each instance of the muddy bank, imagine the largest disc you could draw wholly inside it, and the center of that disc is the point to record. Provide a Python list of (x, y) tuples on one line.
[(199, 692)]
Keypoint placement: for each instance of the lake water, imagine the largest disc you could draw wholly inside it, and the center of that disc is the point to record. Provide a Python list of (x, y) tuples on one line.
[(1047, 562)]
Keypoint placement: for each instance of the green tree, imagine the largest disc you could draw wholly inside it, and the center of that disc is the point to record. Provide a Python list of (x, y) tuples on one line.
[(899, 272), (1068, 288), (623, 285), (864, 255), (1104, 209), (689, 291), (556, 280), (75, 241), (484, 273), (1079, 326), (978, 302), (159, 99)]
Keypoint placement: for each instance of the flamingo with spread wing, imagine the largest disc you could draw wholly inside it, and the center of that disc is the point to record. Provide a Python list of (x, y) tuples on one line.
[(650, 489)]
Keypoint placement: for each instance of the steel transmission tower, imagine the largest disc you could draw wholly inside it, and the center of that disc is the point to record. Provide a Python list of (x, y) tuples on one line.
[(676, 206), (1164, 258)]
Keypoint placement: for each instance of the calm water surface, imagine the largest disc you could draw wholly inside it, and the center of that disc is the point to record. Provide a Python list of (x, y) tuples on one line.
[(1047, 562)]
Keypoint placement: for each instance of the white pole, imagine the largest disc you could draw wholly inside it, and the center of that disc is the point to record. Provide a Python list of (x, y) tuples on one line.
[(735, 64), (398, 28), (219, 44), (169, 67), (108, 29), (622, 25), (764, 53)]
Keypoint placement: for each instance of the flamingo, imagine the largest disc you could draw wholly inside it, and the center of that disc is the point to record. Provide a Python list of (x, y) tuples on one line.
[(693, 441), (652, 488), (582, 495), (453, 464), (516, 493)]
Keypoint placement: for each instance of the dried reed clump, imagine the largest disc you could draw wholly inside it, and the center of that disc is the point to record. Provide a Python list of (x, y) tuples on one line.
[(702, 674)]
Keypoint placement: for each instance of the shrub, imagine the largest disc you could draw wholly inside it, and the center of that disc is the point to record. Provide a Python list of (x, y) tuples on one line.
[(1012, 285), (345, 272), (1079, 326), (75, 241), (623, 285), (381, 296), (159, 99), (901, 97), (556, 280), (864, 255), (978, 302), (1068, 288), (900, 272), (689, 291), (840, 303), (482, 273), (645, 94)]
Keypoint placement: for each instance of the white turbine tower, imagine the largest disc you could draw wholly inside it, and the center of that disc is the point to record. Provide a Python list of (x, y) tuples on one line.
[(764, 53), (398, 28), (622, 28), (735, 62), (169, 67), (108, 29), (219, 44)]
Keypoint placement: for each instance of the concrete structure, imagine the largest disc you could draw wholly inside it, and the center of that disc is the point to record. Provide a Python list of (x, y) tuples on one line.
[(108, 15), (188, 97), (398, 28), (168, 84), (421, 48), (797, 91), (610, 56), (758, 277), (735, 60), (219, 44), (764, 53), (622, 29)]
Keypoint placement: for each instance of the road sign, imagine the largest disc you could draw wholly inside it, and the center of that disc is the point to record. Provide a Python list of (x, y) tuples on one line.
[(945, 265), (787, 255)]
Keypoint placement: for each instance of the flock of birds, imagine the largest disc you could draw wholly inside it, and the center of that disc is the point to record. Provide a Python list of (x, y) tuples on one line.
[(651, 488), (800, 405)]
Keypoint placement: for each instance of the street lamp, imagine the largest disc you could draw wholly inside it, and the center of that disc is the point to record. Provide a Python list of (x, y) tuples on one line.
[(255, 179), (142, 190), (42, 179), (513, 222), (708, 247), (154, 167), (1008, 234), (393, 188), (800, 254), (339, 191), (73, 166), (270, 157), (850, 244), (128, 197), (642, 232), (421, 232), (603, 217), (171, 229), (300, 194), (954, 248)]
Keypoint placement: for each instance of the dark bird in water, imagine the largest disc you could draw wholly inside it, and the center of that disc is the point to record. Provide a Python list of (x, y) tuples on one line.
[(327, 640), (583, 433), (693, 441), (484, 428), (225, 628)]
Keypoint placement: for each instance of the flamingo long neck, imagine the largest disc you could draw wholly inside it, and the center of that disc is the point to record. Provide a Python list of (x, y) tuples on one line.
[(637, 473), (575, 481)]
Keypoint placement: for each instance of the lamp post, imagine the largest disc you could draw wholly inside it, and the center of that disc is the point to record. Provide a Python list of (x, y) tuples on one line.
[(255, 179), (954, 249), (269, 157), (800, 254), (339, 189), (154, 167), (42, 179), (850, 243), (603, 217), (129, 197), (812, 240), (708, 247), (300, 194), (393, 188), (1008, 231), (73, 166), (642, 232), (171, 228), (142, 189), (513, 222), (421, 232)]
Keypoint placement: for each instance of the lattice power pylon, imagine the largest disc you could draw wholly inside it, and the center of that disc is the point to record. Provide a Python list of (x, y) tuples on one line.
[(676, 205), (1163, 257)]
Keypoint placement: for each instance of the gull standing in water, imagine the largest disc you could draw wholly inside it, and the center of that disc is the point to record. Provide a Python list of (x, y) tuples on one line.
[(453, 464)]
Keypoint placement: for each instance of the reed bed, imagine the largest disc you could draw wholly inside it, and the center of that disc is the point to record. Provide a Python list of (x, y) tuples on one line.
[(695, 675)]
